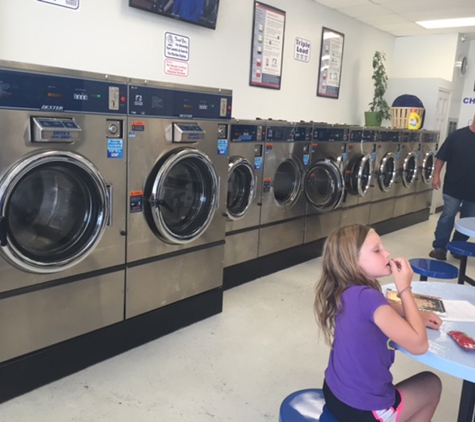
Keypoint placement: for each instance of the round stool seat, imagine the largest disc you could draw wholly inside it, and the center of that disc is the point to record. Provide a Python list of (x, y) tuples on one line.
[(305, 406), (462, 248), (433, 268)]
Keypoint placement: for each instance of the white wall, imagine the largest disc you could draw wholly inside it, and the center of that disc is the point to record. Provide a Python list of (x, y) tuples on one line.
[(107, 36)]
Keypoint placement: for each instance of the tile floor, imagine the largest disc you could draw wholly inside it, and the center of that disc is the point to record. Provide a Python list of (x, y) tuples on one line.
[(233, 367)]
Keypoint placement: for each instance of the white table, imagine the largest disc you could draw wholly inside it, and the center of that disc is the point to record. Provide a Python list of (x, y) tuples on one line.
[(466, 226), (444, 354)]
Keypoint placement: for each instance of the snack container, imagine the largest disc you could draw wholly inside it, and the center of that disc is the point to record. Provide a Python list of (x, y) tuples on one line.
[(463, 339)]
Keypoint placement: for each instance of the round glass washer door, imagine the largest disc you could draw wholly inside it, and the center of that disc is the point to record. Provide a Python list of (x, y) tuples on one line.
[(409, 169), (386, 174), (241, 187), (54, 210), (287, 183), (360, 174), (324, 185), (182, 195), (428, 167)]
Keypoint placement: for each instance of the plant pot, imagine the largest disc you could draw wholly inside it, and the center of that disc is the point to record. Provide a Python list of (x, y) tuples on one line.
[(372, 118)]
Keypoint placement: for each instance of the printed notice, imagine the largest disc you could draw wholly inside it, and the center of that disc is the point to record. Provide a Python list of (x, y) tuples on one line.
[(176, 68), (267, 46), (302, 50), (177, 47), (331, 57), (70, 4)]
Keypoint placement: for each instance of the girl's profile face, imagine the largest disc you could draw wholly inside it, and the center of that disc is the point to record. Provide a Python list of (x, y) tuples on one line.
[(373, 259)]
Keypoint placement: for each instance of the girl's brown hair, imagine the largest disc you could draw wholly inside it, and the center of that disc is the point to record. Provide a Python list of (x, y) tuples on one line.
[(340, 270)]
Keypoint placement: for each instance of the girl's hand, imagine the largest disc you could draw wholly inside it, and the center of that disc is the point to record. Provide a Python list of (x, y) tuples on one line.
[(431, 320), (402, 272)]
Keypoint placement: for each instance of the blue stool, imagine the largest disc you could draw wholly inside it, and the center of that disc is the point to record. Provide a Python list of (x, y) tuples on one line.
[(305, 406), (464, 249), (433, 268)]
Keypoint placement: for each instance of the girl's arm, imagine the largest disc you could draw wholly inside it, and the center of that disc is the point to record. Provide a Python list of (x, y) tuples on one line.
[(408, 332)]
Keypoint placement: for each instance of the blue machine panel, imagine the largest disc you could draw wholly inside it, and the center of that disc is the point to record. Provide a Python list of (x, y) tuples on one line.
[(363, 136), (45, 92), (330, 134), (161, 102), (303, 133), (280, 133), (247, 133)]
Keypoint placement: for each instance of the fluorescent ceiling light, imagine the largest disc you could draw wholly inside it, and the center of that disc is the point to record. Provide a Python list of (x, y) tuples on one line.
[(447, 23)]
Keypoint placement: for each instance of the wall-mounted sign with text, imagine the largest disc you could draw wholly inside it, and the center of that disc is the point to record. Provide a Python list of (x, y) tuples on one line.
[(70, 4), (177, 54), (302, 50)]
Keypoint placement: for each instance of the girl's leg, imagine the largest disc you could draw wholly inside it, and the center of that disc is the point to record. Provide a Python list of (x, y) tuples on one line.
[(421, 396)]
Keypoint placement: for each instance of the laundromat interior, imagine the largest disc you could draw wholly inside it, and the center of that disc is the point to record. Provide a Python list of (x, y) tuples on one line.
[(167, 184)]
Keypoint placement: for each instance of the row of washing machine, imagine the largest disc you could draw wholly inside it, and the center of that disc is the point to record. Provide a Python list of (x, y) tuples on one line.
[(293, 183), (111, 205)]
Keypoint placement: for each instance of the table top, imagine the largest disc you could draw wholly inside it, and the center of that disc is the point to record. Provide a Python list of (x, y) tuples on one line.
[(466, 226), (444, 353)]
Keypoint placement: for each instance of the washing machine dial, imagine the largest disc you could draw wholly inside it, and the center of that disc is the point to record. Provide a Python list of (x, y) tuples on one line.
[(113, 130), (222, 132)]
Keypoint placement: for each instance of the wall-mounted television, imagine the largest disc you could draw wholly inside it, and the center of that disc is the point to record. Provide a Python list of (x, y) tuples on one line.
[(198, 12)]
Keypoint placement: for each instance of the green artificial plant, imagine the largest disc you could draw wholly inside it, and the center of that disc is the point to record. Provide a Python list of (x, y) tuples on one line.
[(380, 79)]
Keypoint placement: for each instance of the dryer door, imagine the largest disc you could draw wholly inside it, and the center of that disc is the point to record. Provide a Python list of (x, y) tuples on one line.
[(427, 168), (360, 174), (324, 185), (386, 174), (409, 169), (287, 183), (241, 187), (54, 210), (182, 194)]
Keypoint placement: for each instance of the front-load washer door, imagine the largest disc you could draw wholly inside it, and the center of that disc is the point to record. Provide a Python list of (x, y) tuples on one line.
[(324, 185), (241, 187), (386, 174), (360, 174), (287, 183), (409, 169), (182, 194), (427, 168), (54, 207)]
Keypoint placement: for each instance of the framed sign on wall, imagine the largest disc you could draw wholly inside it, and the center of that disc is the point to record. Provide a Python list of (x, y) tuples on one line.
[(331, 58), (267, 46)]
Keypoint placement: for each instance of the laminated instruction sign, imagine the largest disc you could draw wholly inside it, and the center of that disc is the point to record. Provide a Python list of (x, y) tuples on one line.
[(70, 4), (267, 46), (177, 54)]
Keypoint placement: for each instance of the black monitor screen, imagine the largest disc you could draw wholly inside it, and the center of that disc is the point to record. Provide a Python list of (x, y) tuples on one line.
[(199, 12)]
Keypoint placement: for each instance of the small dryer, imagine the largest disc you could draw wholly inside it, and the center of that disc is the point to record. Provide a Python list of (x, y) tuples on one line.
[(244, 190), (286, 158), (359, 175), (385, 171), (324, 181), (408, 168)]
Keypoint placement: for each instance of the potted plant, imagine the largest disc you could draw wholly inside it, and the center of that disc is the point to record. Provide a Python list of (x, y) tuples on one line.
[(379, 109)]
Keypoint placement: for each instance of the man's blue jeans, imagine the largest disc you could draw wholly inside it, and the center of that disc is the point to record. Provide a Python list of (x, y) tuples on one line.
[(445, 225)]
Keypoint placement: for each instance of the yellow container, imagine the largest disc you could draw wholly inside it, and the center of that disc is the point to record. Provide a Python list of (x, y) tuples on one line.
[(414, 121), (400, 116)]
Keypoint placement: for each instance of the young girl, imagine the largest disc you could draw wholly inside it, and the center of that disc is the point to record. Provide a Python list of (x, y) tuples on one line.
[(361, 326)]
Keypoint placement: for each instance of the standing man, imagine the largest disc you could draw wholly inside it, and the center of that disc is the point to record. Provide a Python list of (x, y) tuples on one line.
[(458, 151)]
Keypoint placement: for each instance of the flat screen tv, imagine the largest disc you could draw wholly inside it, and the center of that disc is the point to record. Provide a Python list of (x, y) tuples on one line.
[(198, 12)]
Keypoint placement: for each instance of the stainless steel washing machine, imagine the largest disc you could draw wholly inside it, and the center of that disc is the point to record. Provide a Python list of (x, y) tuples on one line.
[(359, 175), (408, 167), (177, 172), (286, 158), (324, 181), (244, 192), (62, 195), (384, 189), (429, 145)]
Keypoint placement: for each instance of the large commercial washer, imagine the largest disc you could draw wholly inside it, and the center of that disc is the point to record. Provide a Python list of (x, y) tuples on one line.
[(324, 182), (429, 145), (408, 168), (177, 172), (359, 175), (286, 158), (62, 195), (384, 190), (244, 194)]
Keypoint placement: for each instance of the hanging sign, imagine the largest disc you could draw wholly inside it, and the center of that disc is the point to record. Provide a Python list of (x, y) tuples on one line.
[(177, 55), (331, 58), (302, 50), (70, 4)]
